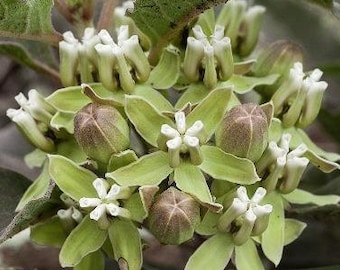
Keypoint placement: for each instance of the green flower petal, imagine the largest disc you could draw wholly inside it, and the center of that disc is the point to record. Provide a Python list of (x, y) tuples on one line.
[(83, 240), (63, 120), (299, 196), (293, 229), (92, 261), (72, 179), (121, 159), (214, 253), (224, 166), (247, 257), (126, 244), (148, 170)]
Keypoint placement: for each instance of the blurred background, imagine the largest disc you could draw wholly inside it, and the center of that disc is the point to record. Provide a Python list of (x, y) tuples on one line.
[(317, 30)]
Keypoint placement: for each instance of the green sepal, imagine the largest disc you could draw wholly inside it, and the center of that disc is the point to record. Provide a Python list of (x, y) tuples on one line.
[(224, 166), (210, 110), (207, 21), (37, 189), (86, 238), (148, 170), (321, 163), (214, 253), (35, 159), (92, 261), (247, 257), (293, 229), (272, 240), (50, 232), (126, 244), (146, 118), (166, 72), (208, 225), (121, 159), (191, 180), (299, 196), (72, 179), (63, 120), (241, 68)]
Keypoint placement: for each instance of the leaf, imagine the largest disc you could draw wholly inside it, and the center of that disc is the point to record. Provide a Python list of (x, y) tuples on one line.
[(214, 253), (210, 110), (148, 170), (146, 118), (32, 213), (299, 196), (163, 20), (127, 250), (83, 240), (272, 240), (92, 261), (12, 187), (50, 232), (224, 166), (72, 179), (30, 19), (18, 53), (191, 180), (293, 229), (247, 257)]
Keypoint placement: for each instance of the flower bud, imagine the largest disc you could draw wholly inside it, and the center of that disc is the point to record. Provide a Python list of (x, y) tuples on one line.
[(244, 131), (174, 216), (101, 131)]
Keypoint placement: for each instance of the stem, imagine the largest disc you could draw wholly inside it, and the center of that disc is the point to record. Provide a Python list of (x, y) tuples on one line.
[(51, 39), (106, 14)]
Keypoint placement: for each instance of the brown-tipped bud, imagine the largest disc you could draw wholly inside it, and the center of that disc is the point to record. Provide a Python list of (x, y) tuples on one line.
[(244, 131), (101, 131), (174, 217)]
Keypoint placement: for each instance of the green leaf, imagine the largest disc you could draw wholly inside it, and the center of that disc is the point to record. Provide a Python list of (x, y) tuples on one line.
[(121, 159), (72, 179), (30, 19), (214, 253), (126, 243), (224, 166), (32, 213), (37, 189), (210, 110), (50, 232), (272, 239), (148, 170), (83, 240), (63, 120), (146, 118), (19, 54), (166, 73), (163, 20), (247, 257), (92, 261), (191, 180), (299, 196), (12, 187), (293, 229)]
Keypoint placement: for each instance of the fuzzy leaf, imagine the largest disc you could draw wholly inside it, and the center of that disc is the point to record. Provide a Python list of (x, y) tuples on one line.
[(191, 180), (247, 257), (299, 196), (146, 118), (148, 170), (293, 229), (224, 166), (214, 253), (272, 240), (126, 244), (83, 240), (30, 19), (72, 179)]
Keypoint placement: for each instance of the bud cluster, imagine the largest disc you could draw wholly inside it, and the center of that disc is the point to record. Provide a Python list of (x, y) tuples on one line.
[(107, 202), (298, 100), (33, 118), (182, 140), (118, 64), (246, 217), (281, 167)]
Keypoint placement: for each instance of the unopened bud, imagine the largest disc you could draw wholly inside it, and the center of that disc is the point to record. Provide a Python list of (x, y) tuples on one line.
[(174, 217)]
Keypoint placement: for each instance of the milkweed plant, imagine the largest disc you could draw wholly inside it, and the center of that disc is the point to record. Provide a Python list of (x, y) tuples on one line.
[(169, 124)]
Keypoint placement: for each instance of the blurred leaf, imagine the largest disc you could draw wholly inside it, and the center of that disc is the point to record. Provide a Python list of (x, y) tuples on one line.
[(12, 187), (163, 20), (328, 121), (331, 69), (33, 212), (29, 19)]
